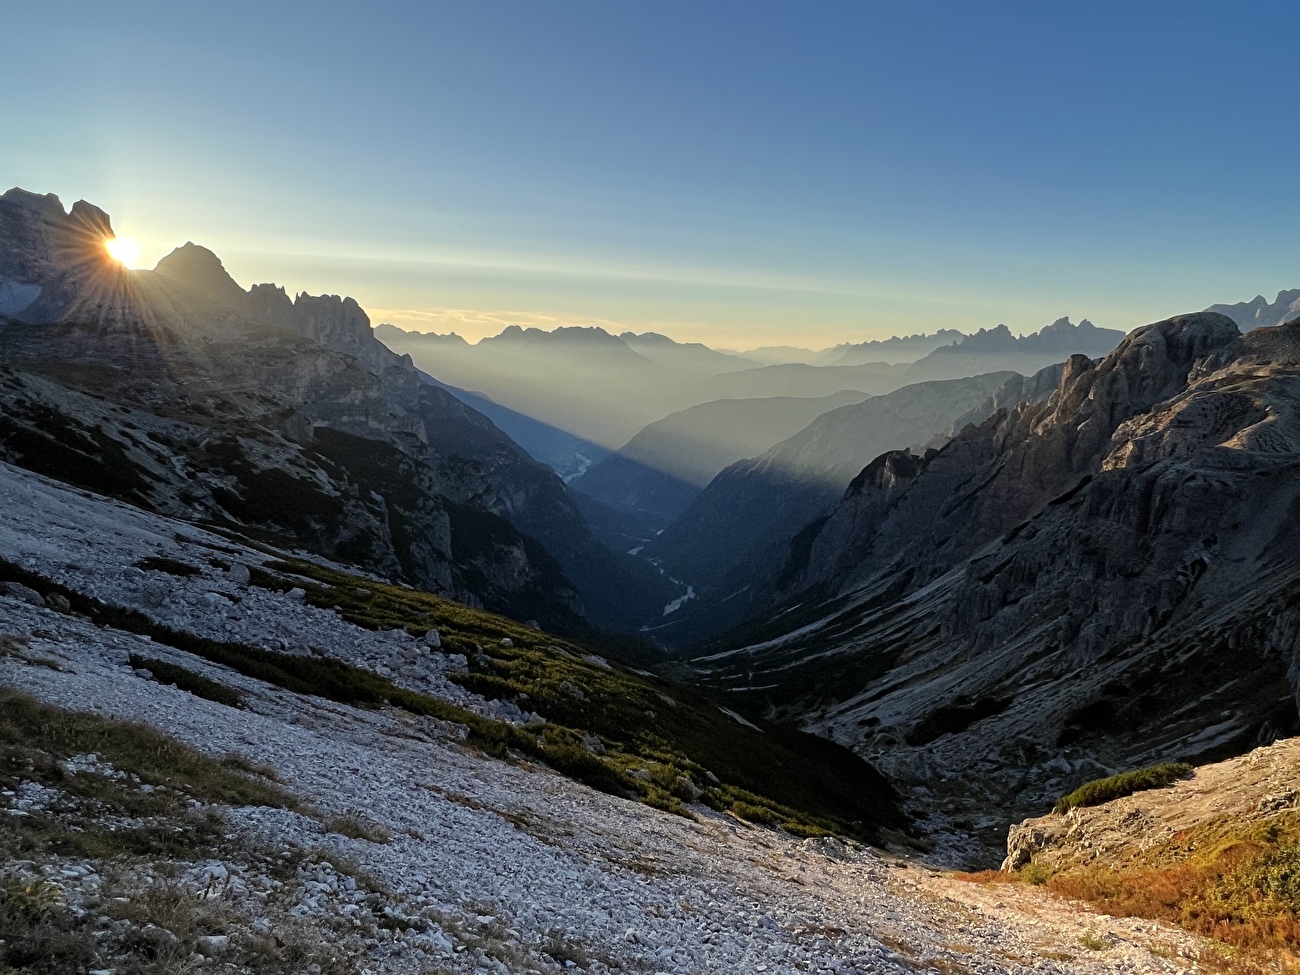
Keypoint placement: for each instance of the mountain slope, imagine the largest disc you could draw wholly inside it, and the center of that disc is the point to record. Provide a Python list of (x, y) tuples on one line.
[(733, 538), (1100, 581), (264, 376), (763, 501), (661, 470), (562, 452)]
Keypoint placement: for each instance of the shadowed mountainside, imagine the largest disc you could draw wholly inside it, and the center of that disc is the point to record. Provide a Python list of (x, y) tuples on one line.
[(733, 538), (659, 472), (1099, 581)]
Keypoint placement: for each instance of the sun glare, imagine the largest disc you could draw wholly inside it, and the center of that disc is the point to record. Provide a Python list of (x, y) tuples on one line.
[(123, 250)]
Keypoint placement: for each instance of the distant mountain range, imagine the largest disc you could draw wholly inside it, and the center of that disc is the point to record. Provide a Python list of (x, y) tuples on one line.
[(899, 348), (1260, 312), (659, 472), (999, 348)]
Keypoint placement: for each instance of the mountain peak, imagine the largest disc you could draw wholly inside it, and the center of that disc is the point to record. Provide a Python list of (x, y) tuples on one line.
[(200, 270), (46, 203), (1260, 312)]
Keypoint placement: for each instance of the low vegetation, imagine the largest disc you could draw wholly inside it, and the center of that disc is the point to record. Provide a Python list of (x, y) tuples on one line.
[(618, 730), (1237, 884), (187, 680), (37, 739), (615, 728), (116, 799), (1100, 791), (1232, 880), (158, 563)]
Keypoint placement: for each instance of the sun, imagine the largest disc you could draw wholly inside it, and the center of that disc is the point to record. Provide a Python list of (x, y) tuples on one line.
[(123, 250)]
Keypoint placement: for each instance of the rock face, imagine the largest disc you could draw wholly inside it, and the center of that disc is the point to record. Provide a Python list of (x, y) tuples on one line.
[(287, 416), (1098, 581)]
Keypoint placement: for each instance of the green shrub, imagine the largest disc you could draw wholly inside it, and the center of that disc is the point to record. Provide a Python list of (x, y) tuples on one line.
[(1124, 784), (187, 680)]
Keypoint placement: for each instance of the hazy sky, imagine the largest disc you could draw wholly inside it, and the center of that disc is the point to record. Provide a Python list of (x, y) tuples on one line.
[(739, 173)]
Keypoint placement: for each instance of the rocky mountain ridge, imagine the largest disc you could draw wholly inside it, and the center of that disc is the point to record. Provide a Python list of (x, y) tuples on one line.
[(997, 348), (1259, 311), (271, 380), (1077, 586)]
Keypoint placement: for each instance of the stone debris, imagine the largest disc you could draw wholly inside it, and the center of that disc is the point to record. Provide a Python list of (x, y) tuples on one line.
[(477, 865)]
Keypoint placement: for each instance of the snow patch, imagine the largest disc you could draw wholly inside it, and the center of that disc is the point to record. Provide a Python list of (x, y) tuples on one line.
[(680, 601), (738, 718)]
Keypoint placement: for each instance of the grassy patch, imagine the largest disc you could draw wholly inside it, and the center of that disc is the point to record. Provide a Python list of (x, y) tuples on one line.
[(1235, 882), (146, 797), (38, 933), (38, 736), (355, 826), (1101, 791), (187, 680)]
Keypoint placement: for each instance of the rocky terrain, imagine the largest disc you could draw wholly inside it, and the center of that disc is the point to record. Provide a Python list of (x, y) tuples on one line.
[(1095, 582), (287, 415), (337, 838)]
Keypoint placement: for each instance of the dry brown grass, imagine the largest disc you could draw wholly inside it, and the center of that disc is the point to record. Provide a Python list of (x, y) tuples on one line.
[(1239, 885), (985, 878)]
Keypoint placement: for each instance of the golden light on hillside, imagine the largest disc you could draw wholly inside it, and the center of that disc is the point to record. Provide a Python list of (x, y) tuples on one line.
[(123, 250)]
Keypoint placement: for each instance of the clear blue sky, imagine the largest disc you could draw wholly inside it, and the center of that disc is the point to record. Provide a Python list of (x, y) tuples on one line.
[(741, 173)]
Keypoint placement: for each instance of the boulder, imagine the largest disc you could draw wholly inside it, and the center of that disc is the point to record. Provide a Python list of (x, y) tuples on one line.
[(571, 690), (16, 590), (687, 789), (1024, 840)]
